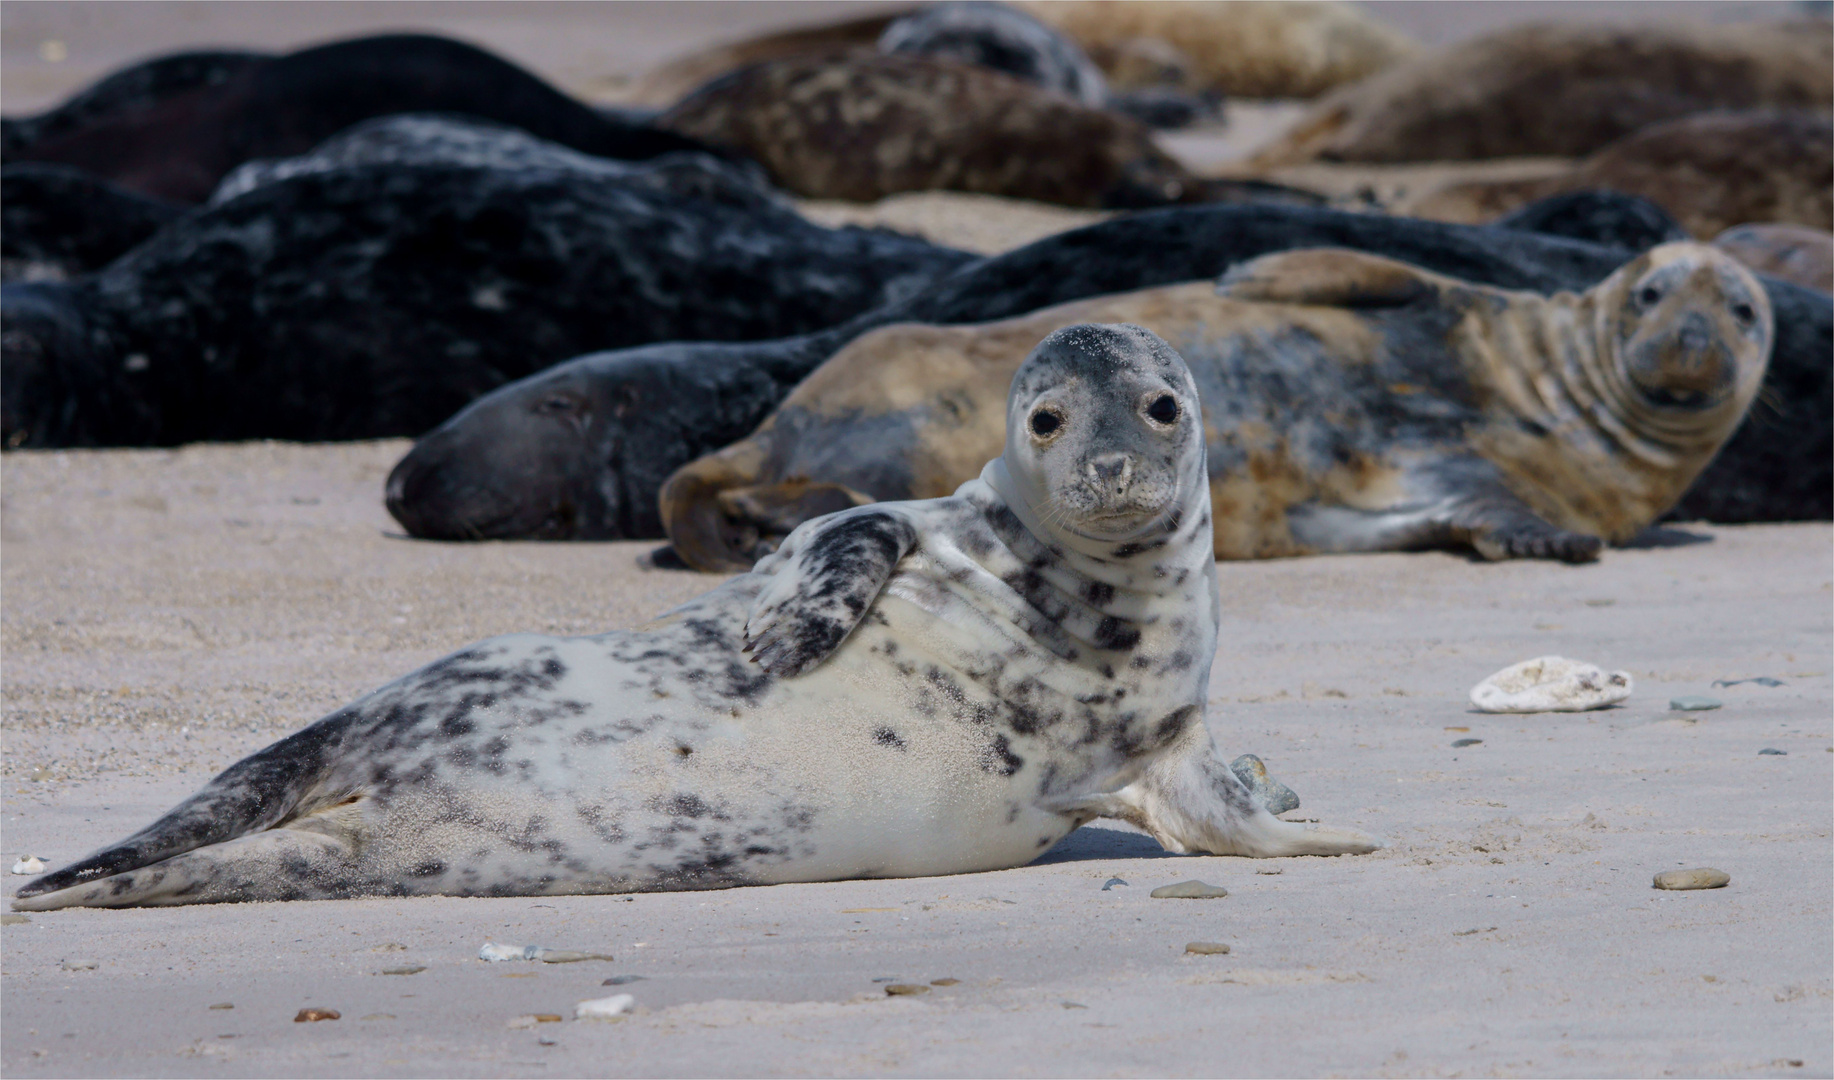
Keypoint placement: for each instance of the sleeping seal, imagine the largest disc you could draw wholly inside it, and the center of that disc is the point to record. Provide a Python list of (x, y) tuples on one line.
[(1414, 411), (549, 456), (931, 687), (172, 127), (374, 299)]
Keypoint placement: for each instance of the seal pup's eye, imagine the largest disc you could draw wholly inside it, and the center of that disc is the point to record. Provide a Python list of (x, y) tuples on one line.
[(1648, 295), (1045, 423), (1744, 313), (1164, 409)]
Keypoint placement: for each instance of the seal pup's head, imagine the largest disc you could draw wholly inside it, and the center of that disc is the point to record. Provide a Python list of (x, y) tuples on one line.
[(1685, 334), (1104, 440)]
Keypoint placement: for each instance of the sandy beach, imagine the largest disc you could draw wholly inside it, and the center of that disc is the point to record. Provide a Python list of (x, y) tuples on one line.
[(165, 612)]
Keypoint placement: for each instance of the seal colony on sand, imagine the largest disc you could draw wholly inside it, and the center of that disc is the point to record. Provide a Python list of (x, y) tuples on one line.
[(1414, 411), (173, 127), (933, 687), (1561, 90), (546, 457), (375, 299)]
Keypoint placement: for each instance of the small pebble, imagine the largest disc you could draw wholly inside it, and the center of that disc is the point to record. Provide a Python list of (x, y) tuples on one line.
[(905, 989), (1206, 948), (1270, 872), (378, 1016), (1772, 751), (1111, 883), (1761, 680), (1465, 742), (544, 1041), (530, 1020), (409, 969), (620, 980), (1473, 930), (390, 946), (495, 953), (14, 920), (307, 1016), (1704, 877), (1074, 1005), (944, 982), (224, 1005), (1189, 890), (79, 965), (29, 864), (603, 1008), (1693, 703), (567, 956)]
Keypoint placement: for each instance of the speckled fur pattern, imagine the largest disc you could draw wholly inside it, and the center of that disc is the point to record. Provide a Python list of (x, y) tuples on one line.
[(551, 456), (1413, 411), (861, 126), (172, 127), (905, 689), (377, 298), (1003, 38)]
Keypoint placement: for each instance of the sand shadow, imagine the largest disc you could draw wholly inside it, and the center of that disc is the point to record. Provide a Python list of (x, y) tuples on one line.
[(1662, 536), (1094, 842)]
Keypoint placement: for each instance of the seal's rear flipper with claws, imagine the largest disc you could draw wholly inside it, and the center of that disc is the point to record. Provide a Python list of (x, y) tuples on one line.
[(274, 786), (275, 864)]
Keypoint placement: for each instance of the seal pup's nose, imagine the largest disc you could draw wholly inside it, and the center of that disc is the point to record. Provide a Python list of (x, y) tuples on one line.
[(1110, 472)]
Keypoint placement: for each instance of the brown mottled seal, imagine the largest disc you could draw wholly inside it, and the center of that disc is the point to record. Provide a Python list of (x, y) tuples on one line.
[(1791, 252), (862, 126), (935, 687), (1710, 170), (1352, 403), (1561, 90)]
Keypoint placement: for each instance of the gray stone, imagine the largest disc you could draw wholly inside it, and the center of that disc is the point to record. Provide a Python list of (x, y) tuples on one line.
[(406, 969), (1111, 883), (1771, 751), (1189, 890), (1206, 948), (906, 989), (620, 980), (1277, 797), (1761, 680), (1693, 703), (1465, 742), (1704, 877)]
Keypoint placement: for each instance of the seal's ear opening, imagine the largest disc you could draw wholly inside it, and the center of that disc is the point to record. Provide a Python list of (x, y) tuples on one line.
[(720, 521), (1328, 277)]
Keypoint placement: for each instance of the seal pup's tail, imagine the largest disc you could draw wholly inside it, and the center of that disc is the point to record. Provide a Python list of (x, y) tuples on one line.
[(264, 829)]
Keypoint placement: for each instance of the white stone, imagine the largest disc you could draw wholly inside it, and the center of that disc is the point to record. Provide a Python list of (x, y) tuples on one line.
[(494, 953), (604, 1008), (1550, 684), (29, 864)]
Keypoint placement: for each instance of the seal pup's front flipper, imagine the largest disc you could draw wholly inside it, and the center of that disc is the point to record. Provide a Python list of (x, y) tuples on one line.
[(826, 574), (1332, 277)]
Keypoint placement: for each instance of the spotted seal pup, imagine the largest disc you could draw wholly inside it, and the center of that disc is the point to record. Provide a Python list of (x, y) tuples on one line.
[(546, 457), (903, 689), (1415, 411)]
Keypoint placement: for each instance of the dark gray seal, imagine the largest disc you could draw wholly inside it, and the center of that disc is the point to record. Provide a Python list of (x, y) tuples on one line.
[(367, 300), (172, 127), (556, 456), (57, 222), (906, 689)]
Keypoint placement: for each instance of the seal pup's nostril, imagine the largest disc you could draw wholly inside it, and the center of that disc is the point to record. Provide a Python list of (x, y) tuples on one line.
[(1115, 469)]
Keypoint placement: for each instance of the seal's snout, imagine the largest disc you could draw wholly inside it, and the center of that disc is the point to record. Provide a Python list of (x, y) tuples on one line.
[(1110, 474), (1690, 367)]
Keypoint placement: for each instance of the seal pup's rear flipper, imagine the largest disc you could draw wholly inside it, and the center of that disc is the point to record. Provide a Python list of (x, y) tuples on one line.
[(274, 786), (276, 864), (825, 576)]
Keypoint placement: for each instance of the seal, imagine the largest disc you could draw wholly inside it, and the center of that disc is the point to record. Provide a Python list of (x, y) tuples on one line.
[(1414, 411), (1791, 252), (173, 127), (906, 689), (377, 299), (58, 223), (1712, 171), (862, 126), (1003, 38), (1253, 50), (550, 456), (1596, 216), (1560, 90)]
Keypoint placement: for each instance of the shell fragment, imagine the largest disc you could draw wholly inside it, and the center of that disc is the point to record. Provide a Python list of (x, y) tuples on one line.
[(1550, 684)]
